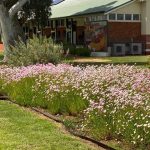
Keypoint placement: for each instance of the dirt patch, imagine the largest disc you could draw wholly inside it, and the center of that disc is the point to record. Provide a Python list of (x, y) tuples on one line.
[(91, 60)]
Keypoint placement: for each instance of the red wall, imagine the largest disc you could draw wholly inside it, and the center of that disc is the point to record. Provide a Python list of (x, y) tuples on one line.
[(80, 30), (124, 32), (47, 31), (146, 40)]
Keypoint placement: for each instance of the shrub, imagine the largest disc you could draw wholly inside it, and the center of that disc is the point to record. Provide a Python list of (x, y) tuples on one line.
[(36, 50), (70, 47), (74, 50), (82, 52)]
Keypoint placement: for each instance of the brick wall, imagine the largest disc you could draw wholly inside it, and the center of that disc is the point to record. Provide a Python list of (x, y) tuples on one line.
[(61, 33), (124, 32), (146, 41), (47, 31), (80, 34)]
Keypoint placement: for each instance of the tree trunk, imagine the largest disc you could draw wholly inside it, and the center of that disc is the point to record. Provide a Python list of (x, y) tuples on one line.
[(11, 30)]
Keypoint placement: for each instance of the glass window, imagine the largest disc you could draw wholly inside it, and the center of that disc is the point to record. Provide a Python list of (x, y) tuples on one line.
[(119, 49), (104, 17), (128, 17), (120, 16), (48, 23), (112, 16), (94, 18), (51, 23), (62, 22), (136, 17)]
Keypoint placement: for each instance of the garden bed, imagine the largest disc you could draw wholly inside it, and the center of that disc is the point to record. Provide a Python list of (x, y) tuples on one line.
[(108, 103)]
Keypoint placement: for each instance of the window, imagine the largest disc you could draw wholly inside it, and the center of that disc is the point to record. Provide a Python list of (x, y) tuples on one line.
[(119, 49), (136, 17), (34, 30), (51, 23), (112, 16), (135, 48), (56, 23), (62, 22), (59, 23), (94, 18), (48, 23), (128, 17), (104, 17), (120, 16)]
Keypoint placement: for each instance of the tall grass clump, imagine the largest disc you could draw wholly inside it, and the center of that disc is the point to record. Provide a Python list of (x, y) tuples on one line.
[(38, 50)]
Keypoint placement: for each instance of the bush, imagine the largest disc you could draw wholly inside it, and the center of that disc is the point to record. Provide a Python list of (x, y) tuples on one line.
[(82, 52), (74, 50), (70, 47), (36, 50)]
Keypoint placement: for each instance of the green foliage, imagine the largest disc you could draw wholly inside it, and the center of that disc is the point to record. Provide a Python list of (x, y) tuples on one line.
[(57, 102), (40, 9), (74, 50), (149, 60), (111, 102), (36, 50), (117, 126), (1, 56), (82, 52), (21, 91)]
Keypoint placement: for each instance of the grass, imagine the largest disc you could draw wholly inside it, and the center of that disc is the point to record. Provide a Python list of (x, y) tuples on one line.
[(130, 60), (22, 129), (1, 55)]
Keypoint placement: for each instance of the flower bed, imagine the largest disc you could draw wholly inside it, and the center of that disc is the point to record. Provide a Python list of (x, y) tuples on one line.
[(113, 101)]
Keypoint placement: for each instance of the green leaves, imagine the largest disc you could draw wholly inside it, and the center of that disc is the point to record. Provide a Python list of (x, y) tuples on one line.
[(36, 50)]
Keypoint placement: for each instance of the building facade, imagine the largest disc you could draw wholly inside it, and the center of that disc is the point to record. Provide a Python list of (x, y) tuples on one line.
[(120, 27)]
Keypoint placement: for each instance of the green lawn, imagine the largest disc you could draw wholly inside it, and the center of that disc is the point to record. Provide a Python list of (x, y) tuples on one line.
[(22, 129), (130, 60)]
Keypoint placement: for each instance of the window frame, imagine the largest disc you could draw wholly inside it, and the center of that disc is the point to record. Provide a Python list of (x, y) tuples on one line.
[(114, 16)]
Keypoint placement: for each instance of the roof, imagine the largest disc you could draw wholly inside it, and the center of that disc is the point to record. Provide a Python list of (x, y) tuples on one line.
[(82, 7)]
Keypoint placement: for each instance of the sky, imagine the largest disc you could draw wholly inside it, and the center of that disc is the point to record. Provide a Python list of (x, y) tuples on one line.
[(56, 1)]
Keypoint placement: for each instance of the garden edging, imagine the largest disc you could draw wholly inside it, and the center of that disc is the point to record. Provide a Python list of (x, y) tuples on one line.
[(58, 120)]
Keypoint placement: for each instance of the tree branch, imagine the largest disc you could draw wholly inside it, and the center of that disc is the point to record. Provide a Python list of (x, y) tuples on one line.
[(15, 8)]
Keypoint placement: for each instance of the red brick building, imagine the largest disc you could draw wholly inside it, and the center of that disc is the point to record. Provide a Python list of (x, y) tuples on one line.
[(110, 27), (119, 27)]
